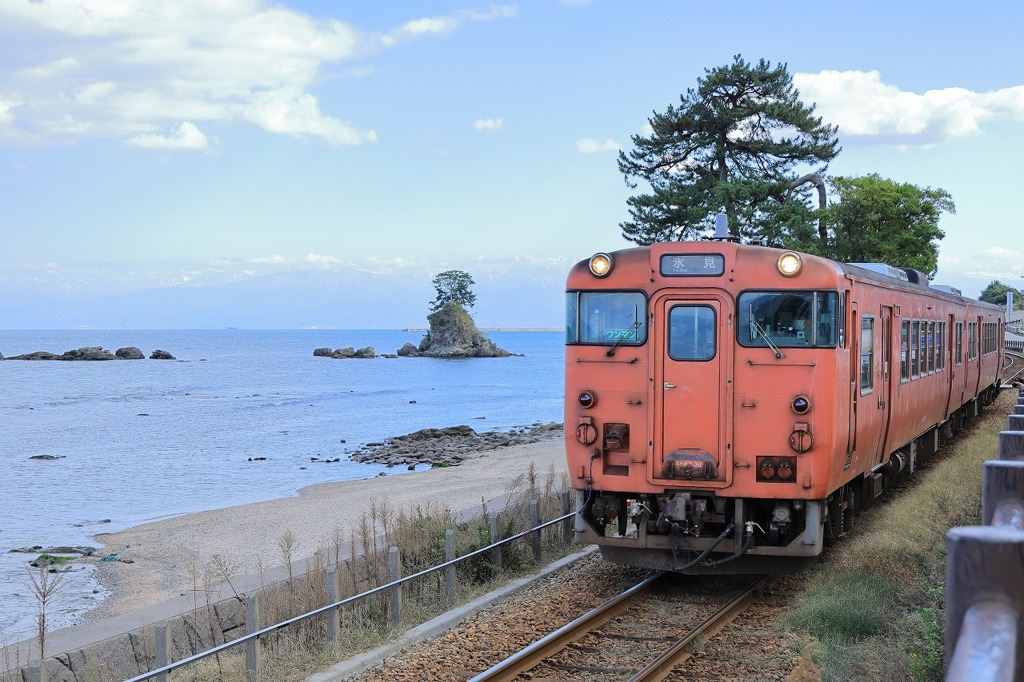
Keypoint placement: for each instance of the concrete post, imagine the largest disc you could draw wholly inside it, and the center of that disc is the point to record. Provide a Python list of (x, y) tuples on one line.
[(334, 615), (496, 552), (395, 573), (163, 649), (449, 571), (252, 646), (535, 535), (1011, 445)]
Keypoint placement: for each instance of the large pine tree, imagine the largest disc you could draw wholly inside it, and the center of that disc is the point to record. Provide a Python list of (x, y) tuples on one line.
[(734, 143)]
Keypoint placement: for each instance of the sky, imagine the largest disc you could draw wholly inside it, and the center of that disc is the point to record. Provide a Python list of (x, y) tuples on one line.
[(150, 147)]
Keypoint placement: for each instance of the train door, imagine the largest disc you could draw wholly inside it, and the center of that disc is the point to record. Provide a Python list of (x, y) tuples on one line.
[(951, 365), (885, 389), (690, 383)]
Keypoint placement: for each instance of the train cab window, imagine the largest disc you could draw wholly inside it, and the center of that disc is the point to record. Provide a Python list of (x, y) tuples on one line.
[(691, 332), (606, 318), (905, 351), (788, 319), (867, 355)]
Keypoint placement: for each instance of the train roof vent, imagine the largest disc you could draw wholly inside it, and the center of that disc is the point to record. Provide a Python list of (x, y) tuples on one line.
[(948, 289), (915, 276), (883, 269)]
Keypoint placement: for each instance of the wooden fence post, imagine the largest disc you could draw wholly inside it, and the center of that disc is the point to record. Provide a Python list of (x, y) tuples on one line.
[(334, 615), (449, 571), (394, 573), (496, 552), (252, 646), (535, 535), (163, 649), (567, 522)]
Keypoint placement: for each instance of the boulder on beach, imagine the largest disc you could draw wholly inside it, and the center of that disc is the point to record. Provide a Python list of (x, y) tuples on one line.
[(449, 446)]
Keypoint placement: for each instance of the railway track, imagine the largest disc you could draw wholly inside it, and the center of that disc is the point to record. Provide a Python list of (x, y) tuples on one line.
[(1014, 368), (636, 633)]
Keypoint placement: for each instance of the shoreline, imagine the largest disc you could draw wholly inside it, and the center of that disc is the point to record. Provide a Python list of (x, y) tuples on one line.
[(239, 548)]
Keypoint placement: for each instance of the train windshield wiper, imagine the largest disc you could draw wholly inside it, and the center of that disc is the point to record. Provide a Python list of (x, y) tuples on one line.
[(760, 330), (633, 327)]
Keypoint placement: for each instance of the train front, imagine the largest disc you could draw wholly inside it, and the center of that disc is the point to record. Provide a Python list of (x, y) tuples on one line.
[(701, 405)]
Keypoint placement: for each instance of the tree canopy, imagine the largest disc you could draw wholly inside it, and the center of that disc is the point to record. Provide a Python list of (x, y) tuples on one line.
[(733, 144), (876, 220), (453, 286), (996, 292)]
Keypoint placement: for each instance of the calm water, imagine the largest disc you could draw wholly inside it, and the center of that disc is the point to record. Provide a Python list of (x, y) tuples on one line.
[(141, 440)]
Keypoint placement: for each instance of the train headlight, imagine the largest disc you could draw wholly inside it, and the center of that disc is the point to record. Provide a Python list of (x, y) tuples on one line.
[(600, 265), (790, 264), (801, 404), (587, 399)]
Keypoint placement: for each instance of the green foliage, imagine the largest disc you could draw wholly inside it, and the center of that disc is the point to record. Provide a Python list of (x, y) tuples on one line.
[(734, 142), (881, 221), (845, 607), (453, 287), (996, 292)]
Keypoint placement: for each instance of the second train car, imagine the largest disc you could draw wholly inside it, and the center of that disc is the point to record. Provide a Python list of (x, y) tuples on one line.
[(729, 407)]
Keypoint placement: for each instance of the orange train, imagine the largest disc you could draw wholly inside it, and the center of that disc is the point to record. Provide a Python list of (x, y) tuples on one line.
[(729, 408)]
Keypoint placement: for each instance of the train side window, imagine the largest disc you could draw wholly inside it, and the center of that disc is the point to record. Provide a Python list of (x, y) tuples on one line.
[(931, 348), (867, 355), (940, 346), (905, 351), (913, 348), (922, 354), (959, 343), (692, 332)]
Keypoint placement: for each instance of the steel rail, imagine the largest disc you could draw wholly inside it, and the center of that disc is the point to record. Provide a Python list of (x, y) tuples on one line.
[(544, 648), (662, 666)]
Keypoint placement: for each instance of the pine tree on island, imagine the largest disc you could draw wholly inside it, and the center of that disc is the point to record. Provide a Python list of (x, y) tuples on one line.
[(453, 334)]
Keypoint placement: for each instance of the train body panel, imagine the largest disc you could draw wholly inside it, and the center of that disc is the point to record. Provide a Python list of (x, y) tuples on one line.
[(729, 407)]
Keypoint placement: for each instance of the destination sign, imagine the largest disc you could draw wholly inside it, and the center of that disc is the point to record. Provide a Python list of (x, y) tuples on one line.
[(693, 265)]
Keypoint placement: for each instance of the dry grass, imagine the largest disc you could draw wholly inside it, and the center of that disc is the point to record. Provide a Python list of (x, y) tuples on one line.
[(419, 533), (875, 603)]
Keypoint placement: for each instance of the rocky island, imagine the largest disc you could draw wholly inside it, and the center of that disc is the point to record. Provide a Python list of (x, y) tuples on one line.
[(453, 333), (93, 353)]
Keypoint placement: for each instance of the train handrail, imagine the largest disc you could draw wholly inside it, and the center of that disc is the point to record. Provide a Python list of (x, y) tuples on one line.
[(985, 573)]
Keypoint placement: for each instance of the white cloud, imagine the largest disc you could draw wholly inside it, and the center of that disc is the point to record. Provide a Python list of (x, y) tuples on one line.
[(298, 113), (591, 146), (133, 68), (442, 25), (184, 135), (869, 110), (7, 106), (489, 125)]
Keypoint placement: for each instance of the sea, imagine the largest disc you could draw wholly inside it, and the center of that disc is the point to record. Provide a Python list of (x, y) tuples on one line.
[(239, 416)]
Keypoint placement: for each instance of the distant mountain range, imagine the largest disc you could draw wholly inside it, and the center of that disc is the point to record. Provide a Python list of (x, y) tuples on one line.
[(516, 294)]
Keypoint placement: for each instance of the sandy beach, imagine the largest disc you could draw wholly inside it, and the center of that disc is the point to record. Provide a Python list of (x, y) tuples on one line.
[(172, 558)]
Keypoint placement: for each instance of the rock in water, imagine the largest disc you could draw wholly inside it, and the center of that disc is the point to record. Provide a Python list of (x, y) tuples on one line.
[(453, 334)]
